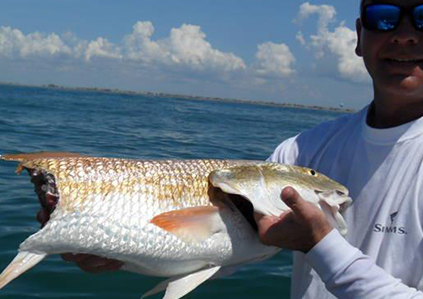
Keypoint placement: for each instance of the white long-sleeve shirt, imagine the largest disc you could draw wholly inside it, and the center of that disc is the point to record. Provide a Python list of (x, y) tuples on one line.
[(382, 256)]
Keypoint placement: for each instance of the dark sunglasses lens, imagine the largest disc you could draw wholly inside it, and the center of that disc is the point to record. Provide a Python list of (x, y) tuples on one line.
[(382, 17), (418, 17)]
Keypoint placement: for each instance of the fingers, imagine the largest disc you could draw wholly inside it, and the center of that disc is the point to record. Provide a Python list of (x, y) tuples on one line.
[(293, 200), (306, 220), (43, 216), (92, 263), (260, 218), (95, 264), (264, 222), (50, 202), (290, 196), (70, 257), (303, 210), (272, 228)]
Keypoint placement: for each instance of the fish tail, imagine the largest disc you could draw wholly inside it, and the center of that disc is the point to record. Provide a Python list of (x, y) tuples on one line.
[(21, 263)]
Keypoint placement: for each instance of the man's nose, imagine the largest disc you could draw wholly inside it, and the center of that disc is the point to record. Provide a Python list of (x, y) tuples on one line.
[(406, 33)]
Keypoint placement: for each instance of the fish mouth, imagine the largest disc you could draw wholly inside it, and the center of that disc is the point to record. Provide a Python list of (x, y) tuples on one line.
[(234, 201), (343, 205)]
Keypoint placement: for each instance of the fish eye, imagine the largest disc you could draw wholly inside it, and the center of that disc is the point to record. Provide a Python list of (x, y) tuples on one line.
[(312, 172)]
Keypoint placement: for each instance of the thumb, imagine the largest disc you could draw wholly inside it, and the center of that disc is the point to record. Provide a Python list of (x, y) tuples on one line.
[(292, 199)]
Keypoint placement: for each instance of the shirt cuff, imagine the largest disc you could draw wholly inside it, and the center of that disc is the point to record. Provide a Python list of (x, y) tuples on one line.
[(330, 255)]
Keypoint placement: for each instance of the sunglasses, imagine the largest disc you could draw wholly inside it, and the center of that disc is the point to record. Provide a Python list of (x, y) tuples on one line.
[(386, 17)]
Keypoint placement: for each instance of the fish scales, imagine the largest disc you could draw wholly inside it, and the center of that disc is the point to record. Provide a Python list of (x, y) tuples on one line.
[(101, 201), (178, 183), (183, 219)]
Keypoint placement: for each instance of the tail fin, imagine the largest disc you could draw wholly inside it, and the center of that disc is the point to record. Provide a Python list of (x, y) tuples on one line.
[(21, 263)]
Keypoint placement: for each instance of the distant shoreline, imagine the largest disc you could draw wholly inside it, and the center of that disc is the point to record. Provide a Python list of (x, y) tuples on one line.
[(187, 97)]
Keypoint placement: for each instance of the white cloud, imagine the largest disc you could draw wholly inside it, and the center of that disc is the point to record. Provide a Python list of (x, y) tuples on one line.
[(342, 42), (274, 60), (339, 43), (139, 46), (184, 55), (186, 47), (14, 42), (326, 14), (300, 38), (101, 47)]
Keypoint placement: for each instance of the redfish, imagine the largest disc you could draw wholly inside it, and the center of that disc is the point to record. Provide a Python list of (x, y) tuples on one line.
[(188, 220)]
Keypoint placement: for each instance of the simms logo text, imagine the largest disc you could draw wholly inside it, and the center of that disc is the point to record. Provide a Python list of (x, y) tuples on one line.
[(392, 229), (379, 228)]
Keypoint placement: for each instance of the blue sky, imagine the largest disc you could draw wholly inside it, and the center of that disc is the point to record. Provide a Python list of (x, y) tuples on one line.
[(272, 50)]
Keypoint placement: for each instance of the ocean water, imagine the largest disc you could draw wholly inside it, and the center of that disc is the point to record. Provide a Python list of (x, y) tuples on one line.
[(131, 126)]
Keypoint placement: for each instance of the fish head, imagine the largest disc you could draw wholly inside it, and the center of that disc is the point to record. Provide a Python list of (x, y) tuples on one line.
[(262, 183)]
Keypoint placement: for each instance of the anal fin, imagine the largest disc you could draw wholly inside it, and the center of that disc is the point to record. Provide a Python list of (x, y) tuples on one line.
[(21, 263), (180, 286)]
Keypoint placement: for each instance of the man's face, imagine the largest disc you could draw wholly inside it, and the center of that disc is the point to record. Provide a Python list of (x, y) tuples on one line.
[(394, 59)]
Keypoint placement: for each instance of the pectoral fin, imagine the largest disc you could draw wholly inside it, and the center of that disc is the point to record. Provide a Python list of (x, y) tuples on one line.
[(20, 264), (192, 225), (180, 286)]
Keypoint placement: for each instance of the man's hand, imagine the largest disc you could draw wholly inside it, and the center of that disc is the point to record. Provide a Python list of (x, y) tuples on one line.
[(299, 229), (87, 262), (92, 263)]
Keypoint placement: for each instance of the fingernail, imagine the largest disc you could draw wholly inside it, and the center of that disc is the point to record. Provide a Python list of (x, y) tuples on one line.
[(287, 192)]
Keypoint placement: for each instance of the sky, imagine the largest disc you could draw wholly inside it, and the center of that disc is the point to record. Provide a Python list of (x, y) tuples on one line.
[(270, 50)]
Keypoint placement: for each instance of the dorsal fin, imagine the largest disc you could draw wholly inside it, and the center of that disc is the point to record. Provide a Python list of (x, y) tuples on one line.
[(37, 155), (24, 157)]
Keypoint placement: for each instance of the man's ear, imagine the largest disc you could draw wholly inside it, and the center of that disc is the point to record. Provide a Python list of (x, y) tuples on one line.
[(358, 27)]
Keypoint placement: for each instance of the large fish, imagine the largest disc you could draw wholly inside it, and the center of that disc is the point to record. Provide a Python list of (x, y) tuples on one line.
[(184, 219)]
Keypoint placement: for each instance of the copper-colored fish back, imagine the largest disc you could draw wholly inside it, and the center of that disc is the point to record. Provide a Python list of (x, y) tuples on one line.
[(23, 157), (38, 155)]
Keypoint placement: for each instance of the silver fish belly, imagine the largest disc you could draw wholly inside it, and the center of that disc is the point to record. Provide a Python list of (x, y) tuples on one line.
[(161, 218)]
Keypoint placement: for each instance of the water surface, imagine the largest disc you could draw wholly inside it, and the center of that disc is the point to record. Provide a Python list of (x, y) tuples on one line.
[(131, 126)]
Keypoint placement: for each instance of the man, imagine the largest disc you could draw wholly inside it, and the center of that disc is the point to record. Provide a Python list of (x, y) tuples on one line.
[(377, 154)]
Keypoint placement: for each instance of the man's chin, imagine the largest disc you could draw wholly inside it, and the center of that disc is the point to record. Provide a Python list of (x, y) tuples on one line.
[(404, 85), (412, 83)]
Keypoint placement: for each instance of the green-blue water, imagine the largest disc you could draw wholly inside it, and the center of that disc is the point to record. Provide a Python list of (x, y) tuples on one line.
[(132, 126)]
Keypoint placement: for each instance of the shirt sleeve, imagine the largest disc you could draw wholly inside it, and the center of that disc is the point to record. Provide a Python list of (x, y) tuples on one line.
[(286, 152), (348, 273)]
